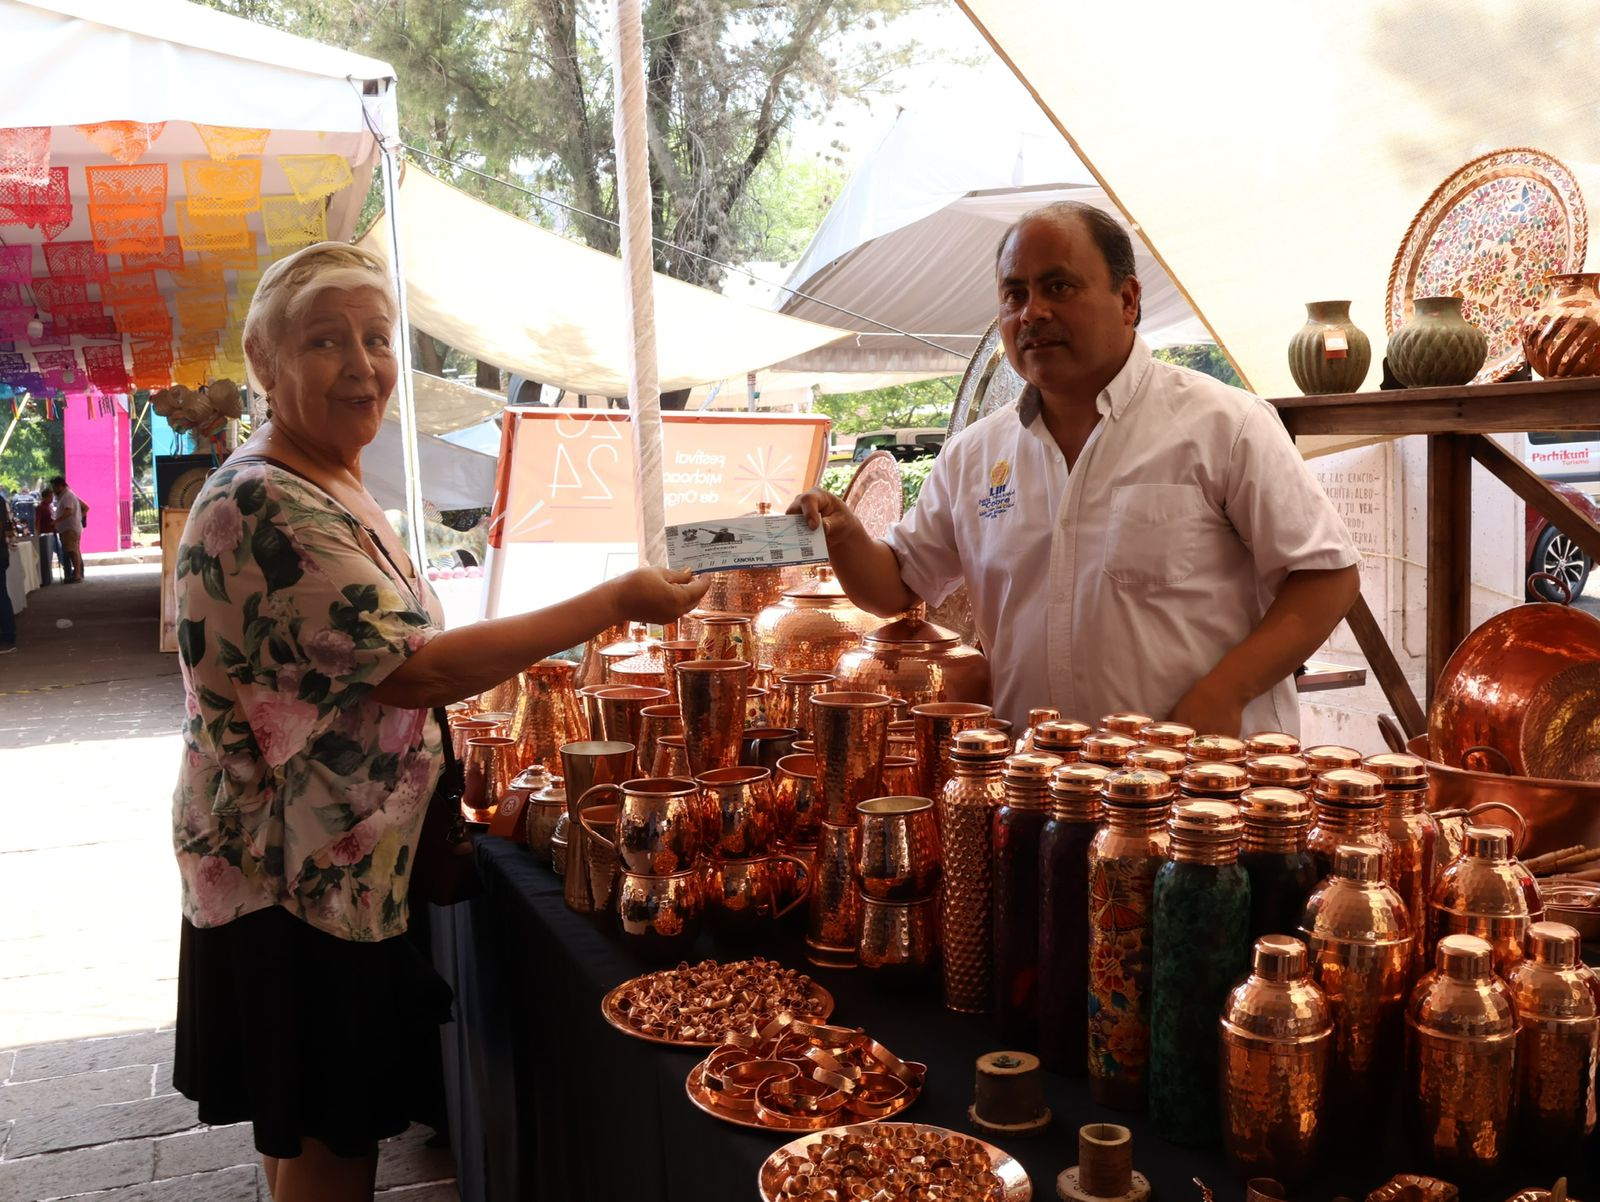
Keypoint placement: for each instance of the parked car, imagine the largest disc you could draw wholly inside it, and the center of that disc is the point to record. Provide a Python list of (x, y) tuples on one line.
[(1551, 551), (905, 445)]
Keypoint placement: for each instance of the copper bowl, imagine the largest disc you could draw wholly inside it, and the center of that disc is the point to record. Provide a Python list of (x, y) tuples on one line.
[(1521, 695)]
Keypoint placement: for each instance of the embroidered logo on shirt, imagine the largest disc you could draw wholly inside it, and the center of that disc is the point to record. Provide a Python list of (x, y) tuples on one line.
[(1002, 495)]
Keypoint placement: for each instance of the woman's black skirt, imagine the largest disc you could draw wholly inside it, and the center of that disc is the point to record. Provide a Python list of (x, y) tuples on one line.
[(304, 1034)]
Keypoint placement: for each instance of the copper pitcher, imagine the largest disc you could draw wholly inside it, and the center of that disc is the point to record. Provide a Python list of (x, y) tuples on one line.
[(661, 914), (916, 662), (797, 813), (851, 733), (936, 724), (621, 712), (547, 712), (743, 896), (585, 765), (737, 811), (489, 770), (711, 700), (655, 721), (833, 926), (659, 827), (791, 700), (897, 850)]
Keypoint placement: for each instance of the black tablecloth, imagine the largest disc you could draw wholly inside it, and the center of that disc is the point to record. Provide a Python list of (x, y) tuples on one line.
[(547, 1101)]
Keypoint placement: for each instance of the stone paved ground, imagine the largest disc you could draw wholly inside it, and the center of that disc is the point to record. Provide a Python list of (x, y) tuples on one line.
[(88, 921)]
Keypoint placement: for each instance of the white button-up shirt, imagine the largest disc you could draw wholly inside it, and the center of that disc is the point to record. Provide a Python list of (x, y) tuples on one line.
[(1116, 586)]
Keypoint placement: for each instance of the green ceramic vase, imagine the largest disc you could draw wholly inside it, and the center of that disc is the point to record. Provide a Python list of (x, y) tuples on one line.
[(1438, 347), (1309, 364)]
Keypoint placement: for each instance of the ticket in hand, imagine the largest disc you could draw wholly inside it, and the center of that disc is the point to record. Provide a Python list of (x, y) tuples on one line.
[(762, 541)]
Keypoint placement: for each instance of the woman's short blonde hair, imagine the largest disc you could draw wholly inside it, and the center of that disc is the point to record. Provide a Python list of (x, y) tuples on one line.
[(289, 285)]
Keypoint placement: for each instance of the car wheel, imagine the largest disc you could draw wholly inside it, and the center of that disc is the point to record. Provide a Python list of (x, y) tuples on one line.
[(1558, 555)]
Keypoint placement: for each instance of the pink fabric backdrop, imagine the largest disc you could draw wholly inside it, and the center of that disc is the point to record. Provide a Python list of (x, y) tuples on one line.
[(100, 470)]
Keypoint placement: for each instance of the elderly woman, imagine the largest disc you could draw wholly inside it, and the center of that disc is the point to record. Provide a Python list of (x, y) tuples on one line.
[(311, 652)]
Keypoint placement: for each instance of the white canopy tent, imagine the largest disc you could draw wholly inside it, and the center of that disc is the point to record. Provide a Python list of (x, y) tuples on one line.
[(911, 240)]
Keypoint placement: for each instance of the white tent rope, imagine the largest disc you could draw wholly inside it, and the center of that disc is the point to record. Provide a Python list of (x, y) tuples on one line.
[(633, 190)]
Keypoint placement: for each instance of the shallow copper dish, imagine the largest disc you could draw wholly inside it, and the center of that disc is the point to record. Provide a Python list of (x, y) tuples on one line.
[(1014, 1183), (1574, 902), (875, 1105), (612, 1012)]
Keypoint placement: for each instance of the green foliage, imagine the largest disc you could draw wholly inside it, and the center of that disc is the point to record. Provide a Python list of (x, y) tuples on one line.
[(36, 452), (925, 403), (1201, 357)]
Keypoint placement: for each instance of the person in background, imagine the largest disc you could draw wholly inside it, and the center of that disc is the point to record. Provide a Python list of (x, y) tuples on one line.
[(71, 516), (44, 529), (8, 617)]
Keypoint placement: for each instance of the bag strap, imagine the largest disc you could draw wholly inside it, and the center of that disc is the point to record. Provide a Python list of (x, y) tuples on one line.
[(450, 761)]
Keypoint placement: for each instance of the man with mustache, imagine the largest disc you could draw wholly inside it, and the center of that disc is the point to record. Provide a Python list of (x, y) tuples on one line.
[(1134, 535)]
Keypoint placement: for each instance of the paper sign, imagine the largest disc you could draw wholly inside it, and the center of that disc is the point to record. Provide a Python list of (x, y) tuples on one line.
[(749, 542)]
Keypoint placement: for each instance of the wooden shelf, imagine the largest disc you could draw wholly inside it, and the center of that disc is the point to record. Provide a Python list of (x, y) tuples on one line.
[(1473, 408)]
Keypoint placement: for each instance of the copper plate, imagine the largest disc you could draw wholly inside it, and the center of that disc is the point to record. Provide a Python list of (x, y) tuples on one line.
[(875, 493), (610, 1011), (695, 1087), (1014, 1183)]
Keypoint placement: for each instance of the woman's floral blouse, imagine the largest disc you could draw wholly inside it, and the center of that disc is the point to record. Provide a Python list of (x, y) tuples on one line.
[(296, 789)]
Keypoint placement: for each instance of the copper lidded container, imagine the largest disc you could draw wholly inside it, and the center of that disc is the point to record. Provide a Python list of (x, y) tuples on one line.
[(1217, 749), (1277, 1031), (916, 662), (1167, 760), (1461, 1037), (1350, 809), (1062, 739), (1271, 742), (1036, 718), (1109, 750), (808, 627), (1278, 771), (1481, 893), (1166, 734), (1217, 780), (547, 802), (1558, 1042), (1413, 839), (1359, 937), (1127, 724), (975, 790), (1330, 757)]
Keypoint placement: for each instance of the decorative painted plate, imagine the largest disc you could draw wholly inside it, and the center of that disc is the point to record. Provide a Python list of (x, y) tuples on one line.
[(1490, 234), (1014, 1185), (875, 493)]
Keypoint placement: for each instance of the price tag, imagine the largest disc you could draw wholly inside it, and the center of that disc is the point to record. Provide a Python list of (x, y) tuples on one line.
[(1334, 343)]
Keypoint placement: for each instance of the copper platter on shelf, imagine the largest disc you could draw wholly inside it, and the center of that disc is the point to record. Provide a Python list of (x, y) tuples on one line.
[(876, 494), (1014, 1185), (1490, 234), (614, 1009)]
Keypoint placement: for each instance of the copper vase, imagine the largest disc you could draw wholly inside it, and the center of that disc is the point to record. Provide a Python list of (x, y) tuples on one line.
[(916, 662), (585, 765), (791, 698), (806, 629), (851, 730), (974, 791), (489, 766), (711, 700), (833, 926), (1277, 1030), (1562, 337), (936, 725), (1461, 1036), (547, 713), (1558, 1041)]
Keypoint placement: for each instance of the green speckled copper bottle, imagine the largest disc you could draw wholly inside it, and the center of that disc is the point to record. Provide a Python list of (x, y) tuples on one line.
[(1201, 923)]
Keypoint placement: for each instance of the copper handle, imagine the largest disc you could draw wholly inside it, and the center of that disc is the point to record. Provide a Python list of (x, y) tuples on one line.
[(1554, 580), (1506, 768), (582, 804), (803, 875), (1484, 807), (1392, 734)]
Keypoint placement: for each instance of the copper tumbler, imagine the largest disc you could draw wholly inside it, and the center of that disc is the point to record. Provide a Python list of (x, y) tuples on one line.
[(937, 723), (585, 765), (1276, 1033), (711, 701), (764, 746), (677, 651), (1558, 1041), (672, 756), (655, 721), (489, 769), (621, 710), (591, 707), (1461, 1035), (738, 811), (900, 776), (833, 923), (791, 698), (897, 851), (726, 636), (900, 938), (851, 732), (796, 811)]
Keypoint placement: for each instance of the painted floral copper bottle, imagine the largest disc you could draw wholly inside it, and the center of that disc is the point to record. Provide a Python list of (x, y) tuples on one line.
[(1558, 1041), (1075, 814), (1018, 826), (967, 804), (1123, 861), (1200, 923)]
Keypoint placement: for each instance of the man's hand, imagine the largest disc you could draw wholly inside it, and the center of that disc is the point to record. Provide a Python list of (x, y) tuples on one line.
[(866, 567), (657, 594), (1212, 707), (821, 508)]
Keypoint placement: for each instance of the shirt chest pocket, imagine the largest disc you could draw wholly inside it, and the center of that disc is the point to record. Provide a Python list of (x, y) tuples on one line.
[(1153, 532)]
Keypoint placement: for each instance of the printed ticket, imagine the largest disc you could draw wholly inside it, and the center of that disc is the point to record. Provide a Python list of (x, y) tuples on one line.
[(763, 541)]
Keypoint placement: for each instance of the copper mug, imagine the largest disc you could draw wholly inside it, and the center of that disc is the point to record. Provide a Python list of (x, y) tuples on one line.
[(585, 765), (797, 813), (764, 746), (742, 896), (897, 849), (661, 914), (899, 939), (655, 721), (711, 702), (791, 701), (833, 926), (659, 828), (738, 811), (851, 730)]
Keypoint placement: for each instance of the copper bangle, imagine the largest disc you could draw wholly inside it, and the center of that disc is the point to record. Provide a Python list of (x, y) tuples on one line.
[(879, 1095), (826, 1035), (833, 1064), (844, 1084), (720, 1061)]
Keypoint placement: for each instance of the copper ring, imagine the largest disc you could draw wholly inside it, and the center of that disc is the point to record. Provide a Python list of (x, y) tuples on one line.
[(880, 1095)]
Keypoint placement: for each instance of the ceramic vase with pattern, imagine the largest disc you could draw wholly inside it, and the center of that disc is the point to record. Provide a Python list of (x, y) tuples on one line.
[(1318, 367), (1438, 346)]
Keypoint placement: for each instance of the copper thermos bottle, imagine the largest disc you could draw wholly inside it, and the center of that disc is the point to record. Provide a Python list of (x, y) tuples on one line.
[(1277, 1029), (1558, 1041), (1461, 1039), (1359, 939), (1062, 739), (1481, 893), (1413, 840), (966, 807)]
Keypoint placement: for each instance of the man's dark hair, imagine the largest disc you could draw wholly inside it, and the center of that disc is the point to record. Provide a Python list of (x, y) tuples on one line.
[(1116, 248), (55, 480)]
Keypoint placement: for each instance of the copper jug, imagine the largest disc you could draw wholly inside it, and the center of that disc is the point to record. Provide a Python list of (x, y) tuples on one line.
[(916, 662), (1558, 1042), (547, 713), (808, 627), (1481, 893)]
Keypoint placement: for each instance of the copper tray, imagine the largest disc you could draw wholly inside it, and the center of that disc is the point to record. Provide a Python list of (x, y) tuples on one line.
[(701, 1096), (610, 1011), (876, 494), (1490, 234), (1014, 1183)]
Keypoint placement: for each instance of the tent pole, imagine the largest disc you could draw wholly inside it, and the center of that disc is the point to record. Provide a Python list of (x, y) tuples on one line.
[(633, 192), (416, 531)]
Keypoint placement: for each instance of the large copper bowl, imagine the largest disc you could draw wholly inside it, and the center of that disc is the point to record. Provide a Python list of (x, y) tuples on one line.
[(1559, 813), (1521, 695)]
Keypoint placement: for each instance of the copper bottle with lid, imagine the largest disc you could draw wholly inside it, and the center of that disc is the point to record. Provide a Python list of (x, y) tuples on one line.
[(1481, 893), (1277, 1031), (1558, 1042), (1124, 858), (1168, 760), (1109, 751), (1166, 734), (1413, 839), (1216, 749), (806, 629), (1129, 724), (1037, 717), (1213, 779), (1359, 939), (1278, 772), (1271, 742), (1273, 851), (1329, 757), (966, 807), (1075, 816), (1461, 1037), (1350, 805), (1018, 826), (1061, 739)]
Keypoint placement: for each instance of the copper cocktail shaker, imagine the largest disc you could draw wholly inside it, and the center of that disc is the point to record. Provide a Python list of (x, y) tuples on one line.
[(1481, 893), (966, 810), (1558, 1040)]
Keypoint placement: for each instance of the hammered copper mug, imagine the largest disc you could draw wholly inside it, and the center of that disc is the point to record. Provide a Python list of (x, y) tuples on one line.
[(851, 730), (738, 811), (711, 702), (899, 939), (897, 849), (585, 765), (742, 896), (659, 827), (661, 914)]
